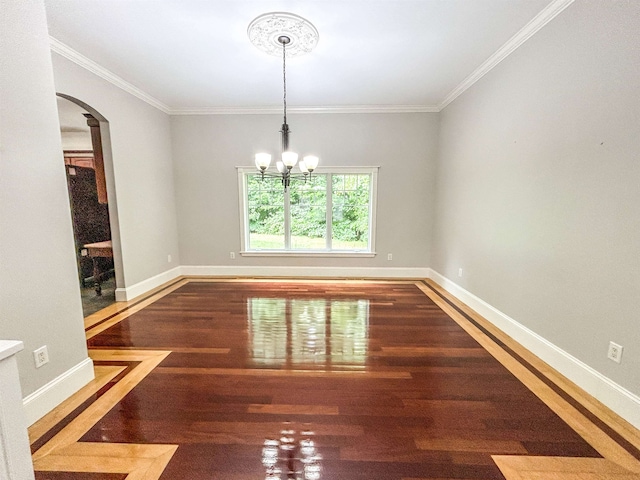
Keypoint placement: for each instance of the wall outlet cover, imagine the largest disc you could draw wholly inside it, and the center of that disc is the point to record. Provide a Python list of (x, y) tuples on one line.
[(41, 356), (615, 352)]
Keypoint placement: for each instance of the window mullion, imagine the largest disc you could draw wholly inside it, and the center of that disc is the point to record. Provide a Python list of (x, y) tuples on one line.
[(245, 211), (329, 212)]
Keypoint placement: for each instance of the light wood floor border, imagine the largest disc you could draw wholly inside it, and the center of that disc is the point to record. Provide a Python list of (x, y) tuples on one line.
[(315, 280), (101, 327), (64, 453), (563, 468), (591, 433), (139, 462), (117, 307), (103, 375), (597, 408)]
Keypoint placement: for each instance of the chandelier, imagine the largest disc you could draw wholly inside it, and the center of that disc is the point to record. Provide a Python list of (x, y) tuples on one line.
[(288, 35)]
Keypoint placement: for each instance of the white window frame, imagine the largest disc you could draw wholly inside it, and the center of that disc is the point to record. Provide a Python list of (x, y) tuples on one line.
[(244, 215)]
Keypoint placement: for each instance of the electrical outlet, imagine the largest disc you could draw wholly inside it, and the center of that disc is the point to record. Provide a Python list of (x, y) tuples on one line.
[(41, 356), (460, 272), (232, 255), (615, 352), (169, 258), (389, 256)]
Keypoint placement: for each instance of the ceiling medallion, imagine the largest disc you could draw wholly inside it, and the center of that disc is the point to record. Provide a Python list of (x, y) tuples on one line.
[(265, 30)]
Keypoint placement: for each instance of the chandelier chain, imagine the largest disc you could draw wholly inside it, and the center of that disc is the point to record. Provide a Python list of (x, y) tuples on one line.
[(284, 78)]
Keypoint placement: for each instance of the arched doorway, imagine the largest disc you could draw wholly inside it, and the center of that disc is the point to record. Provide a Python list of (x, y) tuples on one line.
[(89, 169)]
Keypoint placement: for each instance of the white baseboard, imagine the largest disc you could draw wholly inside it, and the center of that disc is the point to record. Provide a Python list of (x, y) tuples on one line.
[(49, 396), (140, 288), (617, 398), (277, 271)]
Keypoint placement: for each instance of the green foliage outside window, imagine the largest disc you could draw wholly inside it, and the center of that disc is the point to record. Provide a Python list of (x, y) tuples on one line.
[(266, 206), (309, 207), (349, 194), (351, 208)]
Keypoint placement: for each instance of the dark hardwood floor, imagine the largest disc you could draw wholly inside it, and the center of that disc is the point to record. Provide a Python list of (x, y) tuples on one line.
[(384, 382)]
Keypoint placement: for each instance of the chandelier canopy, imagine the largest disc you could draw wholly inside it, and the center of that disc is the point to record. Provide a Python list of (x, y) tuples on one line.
[(288, 35)]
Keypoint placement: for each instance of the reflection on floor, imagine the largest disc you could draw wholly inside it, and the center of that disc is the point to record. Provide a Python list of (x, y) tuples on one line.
[(303, 331), (91, 302), (391, 381)]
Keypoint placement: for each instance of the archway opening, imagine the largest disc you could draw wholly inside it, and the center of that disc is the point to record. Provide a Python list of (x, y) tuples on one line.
[(84, 134)]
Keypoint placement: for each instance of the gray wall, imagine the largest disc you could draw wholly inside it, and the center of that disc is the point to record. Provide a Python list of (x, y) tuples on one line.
[(142, 171), (206, 150), (39, 292), (538, 186)]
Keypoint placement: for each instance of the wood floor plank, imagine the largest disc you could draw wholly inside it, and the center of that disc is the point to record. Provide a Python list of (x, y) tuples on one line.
[(463, 445), (294, 409), (430, 352), (174, 349), (265, 372)]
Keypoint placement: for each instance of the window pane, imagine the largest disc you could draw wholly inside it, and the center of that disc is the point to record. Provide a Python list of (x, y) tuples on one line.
[(350, 221), (265, 202), (308, 203)]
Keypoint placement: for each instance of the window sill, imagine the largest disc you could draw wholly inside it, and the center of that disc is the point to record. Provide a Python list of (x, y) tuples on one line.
[(282, 253)]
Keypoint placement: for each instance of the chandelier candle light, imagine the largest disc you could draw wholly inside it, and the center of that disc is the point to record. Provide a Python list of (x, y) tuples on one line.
[(289, 35)]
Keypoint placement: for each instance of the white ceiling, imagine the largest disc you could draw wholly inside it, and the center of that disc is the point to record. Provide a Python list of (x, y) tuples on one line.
[(194, 55)]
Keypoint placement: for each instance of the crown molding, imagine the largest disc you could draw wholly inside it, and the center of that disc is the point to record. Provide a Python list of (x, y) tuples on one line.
[(88, 64), (545, 16), (552, 10), (307, 109), (69, 53)]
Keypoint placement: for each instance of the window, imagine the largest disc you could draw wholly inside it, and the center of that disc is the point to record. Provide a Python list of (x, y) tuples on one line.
[(333, 213)]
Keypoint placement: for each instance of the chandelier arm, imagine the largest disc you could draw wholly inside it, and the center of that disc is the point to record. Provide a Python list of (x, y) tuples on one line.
[(295, 176)]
